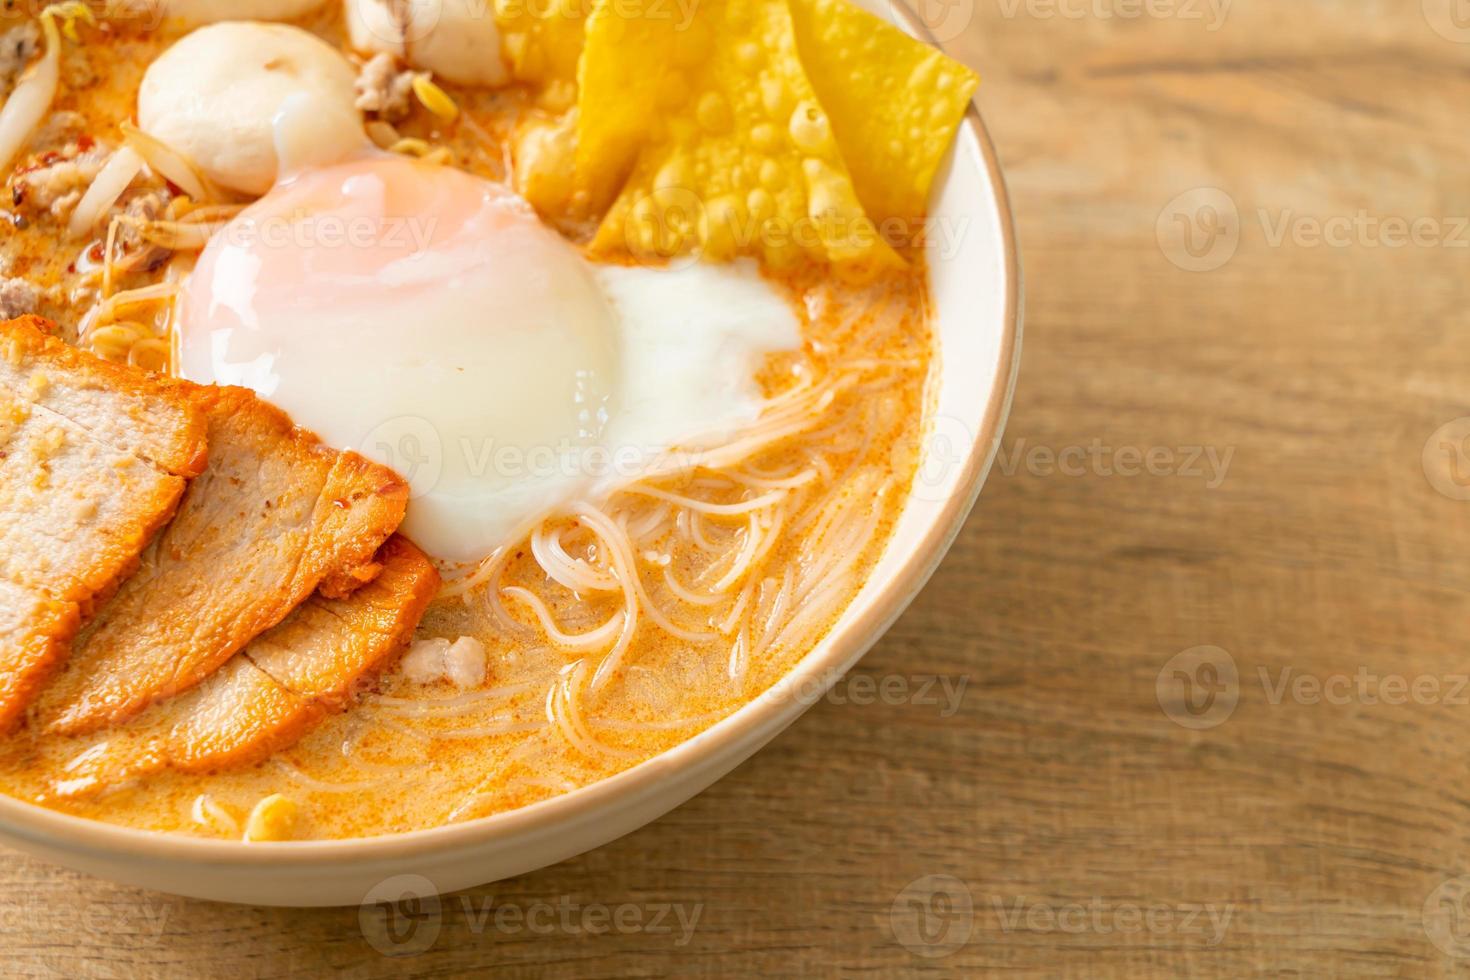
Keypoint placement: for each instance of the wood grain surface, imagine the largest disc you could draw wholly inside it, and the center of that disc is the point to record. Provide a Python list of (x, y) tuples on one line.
[(1204, 636)]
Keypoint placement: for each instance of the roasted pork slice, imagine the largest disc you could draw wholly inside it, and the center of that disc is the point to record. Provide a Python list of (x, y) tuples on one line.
[(35, 634), (274, 691), (74, 512), (275, 515), (93, 460), (119, 406)]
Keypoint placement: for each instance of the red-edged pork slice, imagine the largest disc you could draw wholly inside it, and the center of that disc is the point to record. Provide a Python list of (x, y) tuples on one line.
[(279, 687), (275, 515), (94, 458)]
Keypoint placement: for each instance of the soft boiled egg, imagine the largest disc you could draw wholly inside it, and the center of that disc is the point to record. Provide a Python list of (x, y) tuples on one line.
[(427, 319)]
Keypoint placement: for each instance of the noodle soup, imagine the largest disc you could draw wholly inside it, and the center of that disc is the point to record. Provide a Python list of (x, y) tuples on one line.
[(612, 626)]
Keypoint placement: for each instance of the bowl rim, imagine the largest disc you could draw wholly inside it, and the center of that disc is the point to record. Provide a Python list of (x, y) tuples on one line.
[(844, 646)]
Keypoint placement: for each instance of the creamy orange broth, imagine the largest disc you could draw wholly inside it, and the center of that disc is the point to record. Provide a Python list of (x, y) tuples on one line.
[(410, 757)]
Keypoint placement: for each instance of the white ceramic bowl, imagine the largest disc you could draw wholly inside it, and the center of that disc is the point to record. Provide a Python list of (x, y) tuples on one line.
[(977, 297)]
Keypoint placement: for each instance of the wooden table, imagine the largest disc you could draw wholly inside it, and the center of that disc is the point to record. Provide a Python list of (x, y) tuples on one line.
[(1215, 716)]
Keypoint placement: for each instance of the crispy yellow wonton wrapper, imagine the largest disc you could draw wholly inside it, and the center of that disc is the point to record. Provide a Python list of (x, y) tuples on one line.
[(894, 102), (726, 148), (773, 128)]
